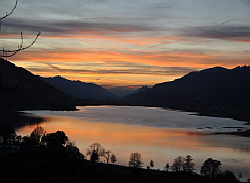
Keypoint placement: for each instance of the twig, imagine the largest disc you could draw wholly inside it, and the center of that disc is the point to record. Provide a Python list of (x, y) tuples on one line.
[(8, 14), (10, 53)]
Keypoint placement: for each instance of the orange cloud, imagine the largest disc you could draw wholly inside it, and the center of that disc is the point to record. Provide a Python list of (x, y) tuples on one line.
[(244, 40), (160, 58), (127, 40), (97, 47)]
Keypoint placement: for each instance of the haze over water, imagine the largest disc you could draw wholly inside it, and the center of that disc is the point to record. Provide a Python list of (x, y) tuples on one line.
[(157, 134)]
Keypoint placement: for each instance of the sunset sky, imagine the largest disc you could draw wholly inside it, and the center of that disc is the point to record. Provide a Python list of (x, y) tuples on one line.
[(127, 43)]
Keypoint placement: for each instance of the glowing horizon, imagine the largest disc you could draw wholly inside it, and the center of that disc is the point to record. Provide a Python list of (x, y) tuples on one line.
[(127, 43)]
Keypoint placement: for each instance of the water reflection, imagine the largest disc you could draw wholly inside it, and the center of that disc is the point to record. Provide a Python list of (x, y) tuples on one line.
[(118, 133), (157, 143)]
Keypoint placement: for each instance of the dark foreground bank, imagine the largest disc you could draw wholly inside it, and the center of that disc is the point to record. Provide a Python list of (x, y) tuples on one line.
[(31, 166), (17, 119)]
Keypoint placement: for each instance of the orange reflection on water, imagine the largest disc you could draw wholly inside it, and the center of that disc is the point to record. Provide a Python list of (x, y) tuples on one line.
[(114, 133)]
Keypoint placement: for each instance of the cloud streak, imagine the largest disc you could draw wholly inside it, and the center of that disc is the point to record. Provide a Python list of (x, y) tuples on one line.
[(147, 41), (233, 33), (175, 58), (73, 26), (113, 68)]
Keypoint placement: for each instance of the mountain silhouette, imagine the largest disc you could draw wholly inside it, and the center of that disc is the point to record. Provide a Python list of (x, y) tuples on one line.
[(216, 90), (22, 90), (78, 89), (142, 89)]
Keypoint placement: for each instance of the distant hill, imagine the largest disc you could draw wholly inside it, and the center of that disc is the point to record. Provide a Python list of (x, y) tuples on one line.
[(78, 89), (121, 91), (142, 89), (22, 90), (216, 90)]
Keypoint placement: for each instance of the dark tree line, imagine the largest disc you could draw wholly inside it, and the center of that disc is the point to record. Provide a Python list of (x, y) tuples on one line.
[(8, 135), (211, 168), (183, 164), (55, 144)]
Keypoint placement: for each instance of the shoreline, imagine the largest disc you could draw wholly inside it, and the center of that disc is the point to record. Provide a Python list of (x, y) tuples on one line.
[(21, 118), (18, 119), (232, 112)]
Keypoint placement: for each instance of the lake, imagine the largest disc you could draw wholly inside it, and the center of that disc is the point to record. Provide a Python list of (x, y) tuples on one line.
[(157, 134)]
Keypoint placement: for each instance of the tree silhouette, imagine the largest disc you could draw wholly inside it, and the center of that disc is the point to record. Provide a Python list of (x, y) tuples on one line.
[(18, 139), (166, 167), (188, 164), (10, 53), (55, 140), (107, 155), (151, 163), (94, 157), (36, 136), (210, 168), (73, 151), (240, 175), (26, 142), (113, 158), (178, 164), (135, 160), (7, 133), (95, 147), (229, 176)]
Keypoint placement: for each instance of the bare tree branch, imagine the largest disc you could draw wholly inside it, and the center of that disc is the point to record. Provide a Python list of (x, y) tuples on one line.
[(8, 14), (10, 53)]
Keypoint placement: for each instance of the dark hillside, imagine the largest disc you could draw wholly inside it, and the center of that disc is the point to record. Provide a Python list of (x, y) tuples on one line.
[(216, 91), (78, 89), (22, 90)]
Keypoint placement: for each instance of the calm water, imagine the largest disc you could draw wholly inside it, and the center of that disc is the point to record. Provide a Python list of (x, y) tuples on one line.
[(157, 134)]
